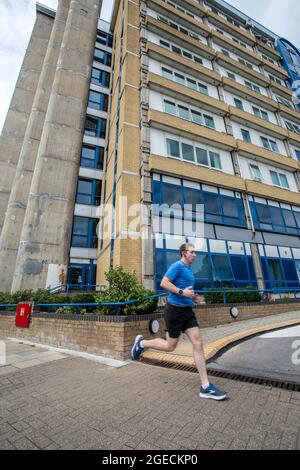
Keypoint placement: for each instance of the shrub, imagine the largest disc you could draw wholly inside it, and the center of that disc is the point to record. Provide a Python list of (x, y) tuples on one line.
[(233, 297), (84, 298), (125, 286)]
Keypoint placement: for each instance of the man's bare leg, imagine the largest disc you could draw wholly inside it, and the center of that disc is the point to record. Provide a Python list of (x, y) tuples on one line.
[(195, 337), (159, 344)]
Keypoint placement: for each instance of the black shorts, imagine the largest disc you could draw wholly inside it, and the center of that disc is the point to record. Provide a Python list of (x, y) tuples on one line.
[(179, 319)]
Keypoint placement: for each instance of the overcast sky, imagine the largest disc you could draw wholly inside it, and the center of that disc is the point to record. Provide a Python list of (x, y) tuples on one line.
[(17, 19)]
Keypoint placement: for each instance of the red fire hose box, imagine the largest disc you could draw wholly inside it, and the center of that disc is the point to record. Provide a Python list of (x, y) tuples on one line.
[(23, 314)]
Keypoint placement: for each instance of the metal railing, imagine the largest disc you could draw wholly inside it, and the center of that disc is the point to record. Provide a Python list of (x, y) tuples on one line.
[(117, 306), (76, 288)]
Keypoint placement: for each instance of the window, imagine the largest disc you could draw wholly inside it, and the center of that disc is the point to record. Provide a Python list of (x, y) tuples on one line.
[(279, 179), (88, 192), (167, 73), (169, 107), (187, 152), (102, 57), (275, 219), (269, 144), (297, 153), (275, 79), (209, 122), (176, 49), (84, 232), (184, 80), (231, 76), (244, 62), (215, 160), (197, 117), (183, 112), (178, 27), (173, 148), (164, 43), (203, 88), (192, 84), (105, 38), (100, 77), (255, 172), (179, 78), (201, 156), (222, 267), (189, 114), (225, 52), (260, 113), (284, 102), (95, 127), (92, 157), (252, 86), (98, 100), (208, 158), (269, 59), (198, 60), (246, 136), (238, 104), (292, 127), (188, 55)]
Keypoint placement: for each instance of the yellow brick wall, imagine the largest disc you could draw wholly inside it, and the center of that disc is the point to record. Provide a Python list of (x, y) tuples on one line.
[(128, 138)]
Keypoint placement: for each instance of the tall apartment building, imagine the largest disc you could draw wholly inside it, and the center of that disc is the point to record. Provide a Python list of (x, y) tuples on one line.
[(180, 103)]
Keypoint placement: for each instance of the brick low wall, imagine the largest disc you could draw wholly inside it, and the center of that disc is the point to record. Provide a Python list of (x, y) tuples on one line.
[(113, 336)]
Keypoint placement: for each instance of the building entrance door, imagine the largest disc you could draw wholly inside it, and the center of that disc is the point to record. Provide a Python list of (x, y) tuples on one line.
[(81, 276)]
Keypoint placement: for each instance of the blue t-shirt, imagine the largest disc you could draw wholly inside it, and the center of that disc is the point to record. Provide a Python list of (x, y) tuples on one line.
[(181, 275)]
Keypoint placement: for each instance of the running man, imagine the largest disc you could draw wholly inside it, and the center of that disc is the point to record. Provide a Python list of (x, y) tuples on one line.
[(179, 317)]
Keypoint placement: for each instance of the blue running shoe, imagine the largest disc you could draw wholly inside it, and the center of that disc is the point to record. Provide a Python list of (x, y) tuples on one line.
[(212, 392), (137, 349)]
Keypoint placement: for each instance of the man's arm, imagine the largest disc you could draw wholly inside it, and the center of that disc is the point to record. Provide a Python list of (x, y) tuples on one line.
[(168, 285)]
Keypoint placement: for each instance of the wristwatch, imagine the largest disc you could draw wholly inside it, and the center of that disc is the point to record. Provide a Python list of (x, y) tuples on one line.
[(180, 292)]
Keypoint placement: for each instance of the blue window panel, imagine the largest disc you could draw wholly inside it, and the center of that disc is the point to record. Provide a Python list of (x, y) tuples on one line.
[(105, 38), (222, 268), (156, 192), (84, 232), (254, 214), (290, 272), (264, 217), (80, 232), (160, 267), (100, 77), (211, 207), (92, 157), (233, 210), (171, 257), (201, 267), (289, 220), (95, 127), (193, 197), (239, 268), (266, 273), (277, 219), (172, 194), (84, 191), (218, 208), (98, 100), (251, 270), (276, 273), (102, 57), (297, 217), (82, 276)]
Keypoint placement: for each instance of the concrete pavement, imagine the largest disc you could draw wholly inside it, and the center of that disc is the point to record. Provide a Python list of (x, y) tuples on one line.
[(74, 403)]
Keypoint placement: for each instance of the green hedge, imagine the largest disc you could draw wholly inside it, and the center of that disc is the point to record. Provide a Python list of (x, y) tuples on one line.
[(233, 297), (123, 286)]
